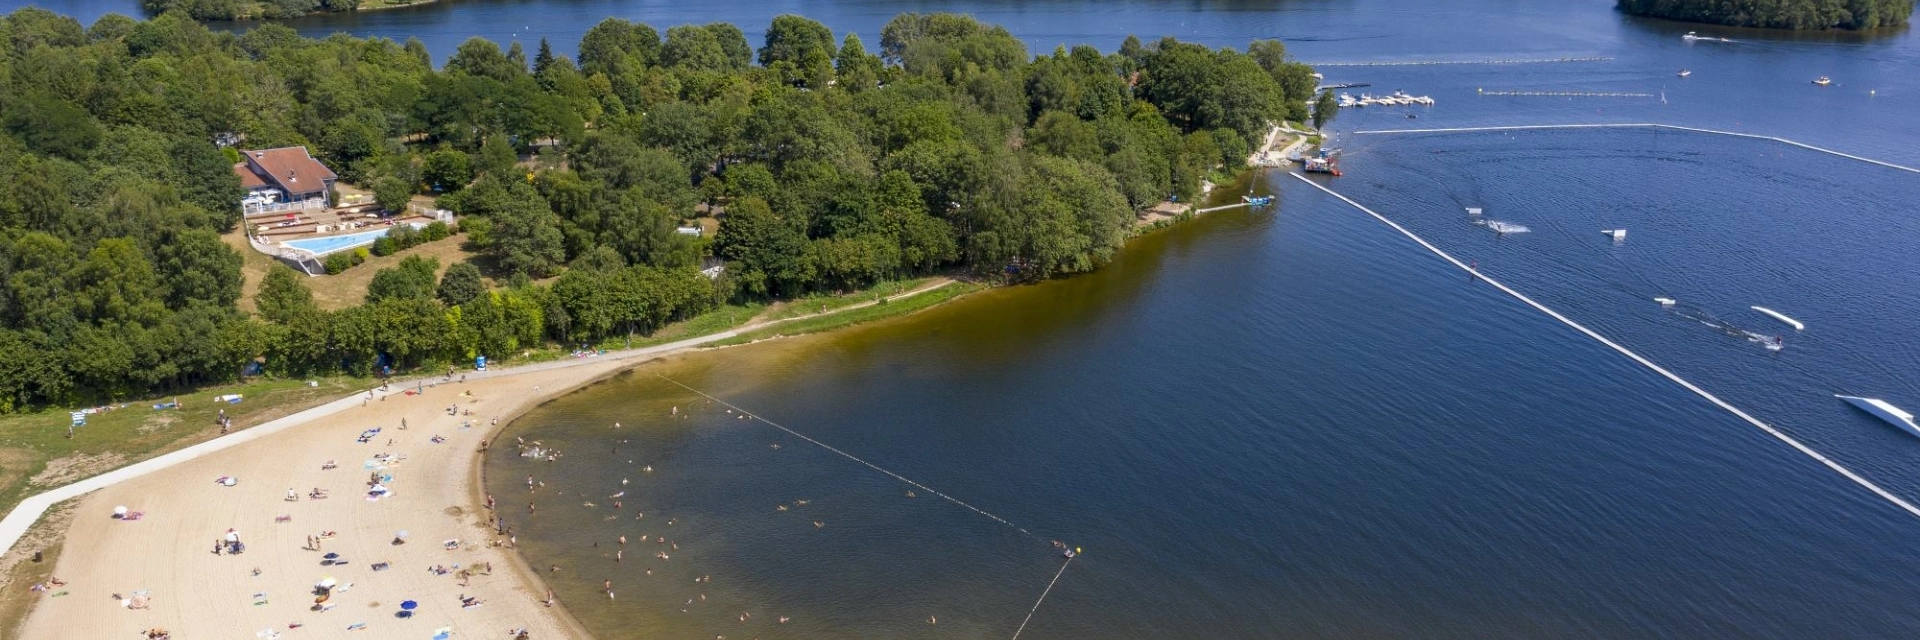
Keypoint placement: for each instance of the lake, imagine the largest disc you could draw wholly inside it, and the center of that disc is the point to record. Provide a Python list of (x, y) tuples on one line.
[(1295, 422)]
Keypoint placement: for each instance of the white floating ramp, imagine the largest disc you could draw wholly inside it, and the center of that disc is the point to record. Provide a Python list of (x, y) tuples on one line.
[(1797, 326), (1884, 411)]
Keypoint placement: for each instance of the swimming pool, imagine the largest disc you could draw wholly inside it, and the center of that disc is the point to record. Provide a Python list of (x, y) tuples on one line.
[(330, 244)]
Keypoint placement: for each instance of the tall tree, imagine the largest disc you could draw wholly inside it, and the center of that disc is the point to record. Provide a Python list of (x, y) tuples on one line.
[(283, 296)]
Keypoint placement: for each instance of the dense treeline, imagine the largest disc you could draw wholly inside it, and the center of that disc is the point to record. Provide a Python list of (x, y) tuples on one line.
[(244, 9), (827, 167), (1779, 14)]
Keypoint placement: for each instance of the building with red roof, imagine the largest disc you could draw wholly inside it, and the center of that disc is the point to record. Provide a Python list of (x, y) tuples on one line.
[(289, 171)]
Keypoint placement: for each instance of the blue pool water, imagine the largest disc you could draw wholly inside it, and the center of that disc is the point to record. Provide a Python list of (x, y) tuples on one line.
[(324, 246)]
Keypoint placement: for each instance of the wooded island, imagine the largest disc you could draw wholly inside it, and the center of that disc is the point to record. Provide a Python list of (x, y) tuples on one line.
[(1779, 14)]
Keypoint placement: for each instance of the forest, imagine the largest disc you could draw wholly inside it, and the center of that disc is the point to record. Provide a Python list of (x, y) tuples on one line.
[(1779, 14), (949, 148), (252, 9)]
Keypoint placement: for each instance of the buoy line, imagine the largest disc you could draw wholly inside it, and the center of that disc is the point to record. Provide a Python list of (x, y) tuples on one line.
[(1776, 433), (1647, 125), (1043, 597), (850, 456)]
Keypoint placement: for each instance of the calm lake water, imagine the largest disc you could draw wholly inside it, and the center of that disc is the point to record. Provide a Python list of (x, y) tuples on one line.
[(1294, 422)]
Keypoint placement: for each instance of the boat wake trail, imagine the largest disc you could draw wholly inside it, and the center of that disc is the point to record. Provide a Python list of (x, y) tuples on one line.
[(1503, 228), (1830, 463), (1702, 316)]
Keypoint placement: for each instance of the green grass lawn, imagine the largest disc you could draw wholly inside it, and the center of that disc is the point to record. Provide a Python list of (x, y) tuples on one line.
[(857, 316), (36, 455), (823, 302)]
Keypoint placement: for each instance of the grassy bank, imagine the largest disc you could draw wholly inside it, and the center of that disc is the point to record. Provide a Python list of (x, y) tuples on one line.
[(36, 454), (850, 317)]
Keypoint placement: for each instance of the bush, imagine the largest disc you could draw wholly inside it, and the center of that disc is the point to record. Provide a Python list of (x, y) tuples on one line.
[(405, 236), (384, 246), (339, 262), (359, 255), (436, 230)]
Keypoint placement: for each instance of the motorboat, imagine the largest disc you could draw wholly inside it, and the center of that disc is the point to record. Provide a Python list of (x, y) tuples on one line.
[(1883, 410), (1823, 81), (1684, 73)]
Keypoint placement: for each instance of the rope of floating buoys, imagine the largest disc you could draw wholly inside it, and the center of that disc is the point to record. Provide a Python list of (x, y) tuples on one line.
[(850, 456), (1849, 474), (1043, 596)]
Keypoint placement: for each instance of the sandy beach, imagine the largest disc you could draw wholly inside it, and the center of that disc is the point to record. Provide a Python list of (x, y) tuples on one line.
[(165, 558), (167, 555)]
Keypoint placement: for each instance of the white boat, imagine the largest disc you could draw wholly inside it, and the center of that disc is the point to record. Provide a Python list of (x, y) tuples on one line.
[(1880, 409), (1823, 81), (1797, 326), (1616, 234), (1684, 73), (1665, 302)]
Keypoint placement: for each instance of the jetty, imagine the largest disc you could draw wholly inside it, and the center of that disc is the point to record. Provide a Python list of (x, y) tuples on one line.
[(1645, 125), (1416, 63), (1568, 94), (1885, 411), (1796, 324)]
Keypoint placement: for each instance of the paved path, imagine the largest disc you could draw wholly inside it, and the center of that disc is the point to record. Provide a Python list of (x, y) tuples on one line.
[(29, 510)]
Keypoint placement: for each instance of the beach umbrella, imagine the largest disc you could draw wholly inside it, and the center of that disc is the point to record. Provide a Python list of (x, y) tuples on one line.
[(409, 605), (119, 512), (328, 582), (330, 555)]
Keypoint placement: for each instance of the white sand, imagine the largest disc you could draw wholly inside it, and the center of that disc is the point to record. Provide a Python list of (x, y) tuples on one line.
[(196, 594)]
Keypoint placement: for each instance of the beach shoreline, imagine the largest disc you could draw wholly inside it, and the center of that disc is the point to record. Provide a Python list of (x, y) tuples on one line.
[(93, 557)]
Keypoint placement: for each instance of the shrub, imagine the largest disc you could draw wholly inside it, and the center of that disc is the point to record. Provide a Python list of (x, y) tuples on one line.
[(339, 262), (384, 246), (436, 230)]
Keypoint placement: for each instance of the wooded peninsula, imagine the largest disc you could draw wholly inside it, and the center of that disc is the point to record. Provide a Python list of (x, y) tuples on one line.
[(827, 167), (1779, 14)]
